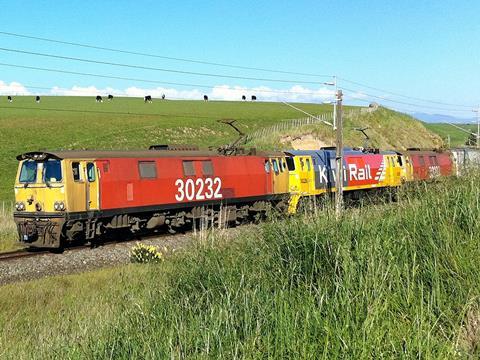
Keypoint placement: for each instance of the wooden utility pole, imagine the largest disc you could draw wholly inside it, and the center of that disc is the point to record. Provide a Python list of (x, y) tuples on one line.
[(339, 156), (478, 127)]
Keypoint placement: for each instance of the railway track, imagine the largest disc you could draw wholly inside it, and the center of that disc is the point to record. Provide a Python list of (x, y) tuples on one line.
[(22, 253), (25, 253)]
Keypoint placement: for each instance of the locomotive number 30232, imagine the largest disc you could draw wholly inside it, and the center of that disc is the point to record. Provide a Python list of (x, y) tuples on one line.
[(199, 189)]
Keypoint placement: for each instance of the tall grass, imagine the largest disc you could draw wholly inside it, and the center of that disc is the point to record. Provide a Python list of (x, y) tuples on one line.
[(394, 280), (8, 230)]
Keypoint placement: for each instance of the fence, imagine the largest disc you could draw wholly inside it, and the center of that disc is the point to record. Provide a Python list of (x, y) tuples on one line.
[(294, 123)]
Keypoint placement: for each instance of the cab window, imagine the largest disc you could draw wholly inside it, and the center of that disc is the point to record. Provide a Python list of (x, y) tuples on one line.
[(52, 171), (77, 174), (267, 166), (90, 172), (308, 164), (399, 159), (275, 166), (290, 164), (28, 173), (280, 165)]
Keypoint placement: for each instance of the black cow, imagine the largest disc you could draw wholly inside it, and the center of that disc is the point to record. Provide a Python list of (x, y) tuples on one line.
[(9, 98), (205, 98), (254, 98), (98, 99), (163, 96), (147, 98), (37, 99), (110, 97), (244, 97)]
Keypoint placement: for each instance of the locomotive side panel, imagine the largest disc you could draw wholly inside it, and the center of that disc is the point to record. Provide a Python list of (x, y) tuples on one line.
[(131, 182), (430, 164)]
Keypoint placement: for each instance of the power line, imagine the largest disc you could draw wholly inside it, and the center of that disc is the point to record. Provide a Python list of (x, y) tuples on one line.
[(404, 96), (404, 103), (223, 65), (88, 46), (148, 81), (91, 61), (105, 112)]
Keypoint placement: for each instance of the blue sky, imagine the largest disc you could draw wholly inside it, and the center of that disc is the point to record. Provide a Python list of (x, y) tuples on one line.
[(422, 49)]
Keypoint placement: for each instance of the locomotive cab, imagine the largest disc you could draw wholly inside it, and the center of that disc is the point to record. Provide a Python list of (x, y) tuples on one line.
[(39, 186), (48, 189)]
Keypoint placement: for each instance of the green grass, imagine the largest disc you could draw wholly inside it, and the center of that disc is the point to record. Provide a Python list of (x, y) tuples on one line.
[(8, 230), (387, 130), (394, 280), (457, 137)]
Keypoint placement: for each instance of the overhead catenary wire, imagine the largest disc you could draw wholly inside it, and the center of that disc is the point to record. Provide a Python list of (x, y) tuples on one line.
[(89, 46), (141, 67), (106, 112), (306, 113), (419, 106), (404, 96), (158, 82)]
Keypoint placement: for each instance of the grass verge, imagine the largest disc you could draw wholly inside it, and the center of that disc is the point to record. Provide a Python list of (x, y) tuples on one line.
[(8, 230), (393, 280)]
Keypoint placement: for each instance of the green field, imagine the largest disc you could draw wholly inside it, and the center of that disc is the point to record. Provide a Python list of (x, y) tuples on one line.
[(457, 137), (388, 281)]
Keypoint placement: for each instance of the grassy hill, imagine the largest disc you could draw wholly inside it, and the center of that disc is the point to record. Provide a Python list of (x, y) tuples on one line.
[(457, 137), (128, 123), (387, 129)]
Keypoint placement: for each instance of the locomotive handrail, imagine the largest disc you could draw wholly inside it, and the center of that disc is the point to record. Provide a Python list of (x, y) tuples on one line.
[(37, 155)]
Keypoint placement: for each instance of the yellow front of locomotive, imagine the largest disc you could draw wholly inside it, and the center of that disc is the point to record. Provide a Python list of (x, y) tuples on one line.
[(40, 202)]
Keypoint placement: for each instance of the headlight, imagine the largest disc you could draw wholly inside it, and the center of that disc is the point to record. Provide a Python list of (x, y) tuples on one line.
[(20, 206), (59, 206)]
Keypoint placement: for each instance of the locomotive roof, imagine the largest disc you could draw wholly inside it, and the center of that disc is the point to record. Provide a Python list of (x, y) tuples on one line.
[(346, 151), (104, 154)]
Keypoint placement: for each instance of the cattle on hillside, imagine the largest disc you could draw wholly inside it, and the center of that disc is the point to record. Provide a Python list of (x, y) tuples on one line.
[(254, 98), (244, 97), (9, 98), (98, 99), (147, 98), (163, 96), (37, 99), (110, 97), (205, 98)]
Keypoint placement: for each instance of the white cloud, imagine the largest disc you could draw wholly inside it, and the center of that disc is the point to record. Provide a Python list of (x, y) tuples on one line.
[(295, 93), (14, 88)]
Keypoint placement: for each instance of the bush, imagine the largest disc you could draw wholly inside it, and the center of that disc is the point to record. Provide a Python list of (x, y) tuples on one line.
[(141, 253)]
